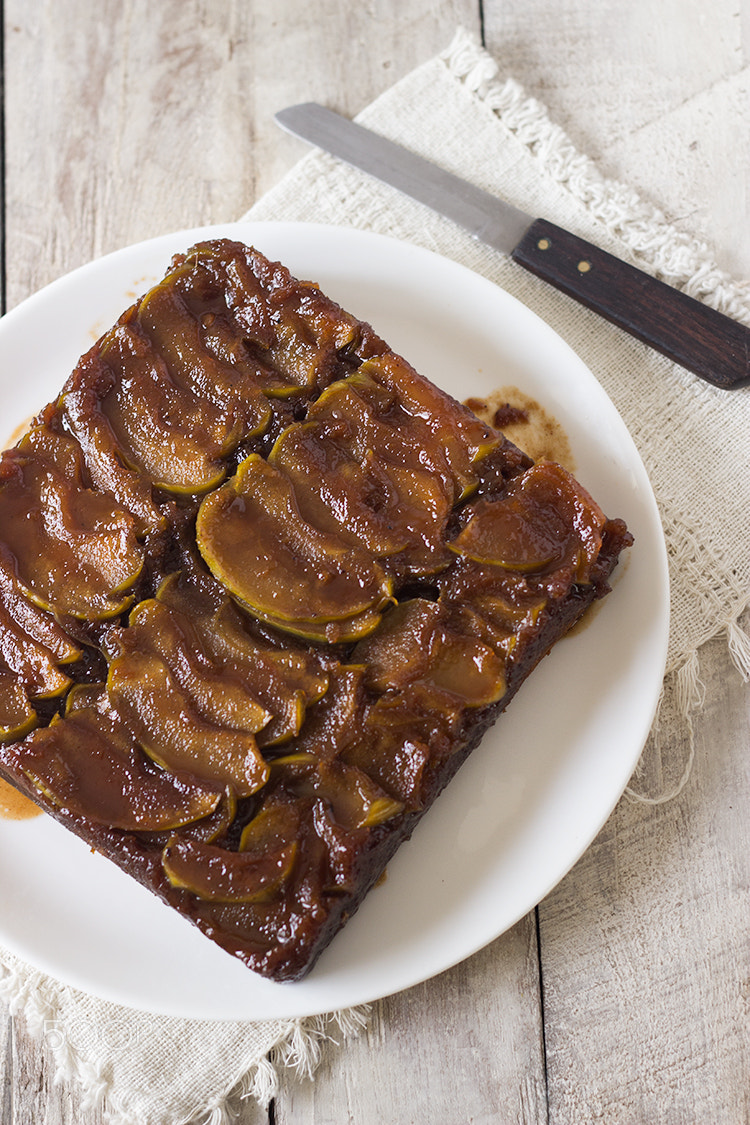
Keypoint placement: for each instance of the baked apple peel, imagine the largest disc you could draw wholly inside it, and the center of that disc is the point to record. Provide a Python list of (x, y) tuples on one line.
[(254, 540), (90, 765), (542, 520)]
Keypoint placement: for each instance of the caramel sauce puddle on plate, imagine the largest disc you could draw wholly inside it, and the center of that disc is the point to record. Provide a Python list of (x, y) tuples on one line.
[(14, 806), (526, 423)]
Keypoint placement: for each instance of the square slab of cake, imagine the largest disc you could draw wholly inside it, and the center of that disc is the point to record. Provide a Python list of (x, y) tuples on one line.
[(263, 587)]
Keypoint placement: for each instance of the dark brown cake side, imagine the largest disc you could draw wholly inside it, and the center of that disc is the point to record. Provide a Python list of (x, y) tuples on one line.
[(262, 590)]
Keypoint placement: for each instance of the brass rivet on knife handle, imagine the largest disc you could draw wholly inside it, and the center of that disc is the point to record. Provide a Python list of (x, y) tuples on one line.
[(685, 330)]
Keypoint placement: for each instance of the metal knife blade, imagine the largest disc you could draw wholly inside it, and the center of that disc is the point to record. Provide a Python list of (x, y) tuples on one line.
[(713, 346), (484, 216)]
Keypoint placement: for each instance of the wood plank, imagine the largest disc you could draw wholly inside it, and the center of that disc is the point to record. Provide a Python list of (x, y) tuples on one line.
[(657, 94), (6, 1064), (30, 1092), (152, 118), (341, 54), (646, 947), (463, 1047)]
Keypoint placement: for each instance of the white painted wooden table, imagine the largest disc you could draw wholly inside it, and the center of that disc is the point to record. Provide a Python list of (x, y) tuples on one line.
[(625, 998)]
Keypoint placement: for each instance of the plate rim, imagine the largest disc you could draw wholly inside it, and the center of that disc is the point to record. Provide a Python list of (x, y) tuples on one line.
[(240, 229)]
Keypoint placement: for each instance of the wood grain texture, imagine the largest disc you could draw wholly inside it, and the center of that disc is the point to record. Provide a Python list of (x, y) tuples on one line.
[(465, 1047), (155, 117), (30, 1092)]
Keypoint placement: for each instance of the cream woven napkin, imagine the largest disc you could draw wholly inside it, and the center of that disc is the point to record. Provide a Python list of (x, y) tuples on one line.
[(693, 439)]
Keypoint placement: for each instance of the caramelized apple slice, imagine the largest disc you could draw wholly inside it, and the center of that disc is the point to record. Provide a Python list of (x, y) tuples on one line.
[(365, 500), (275, 826), (466, 668), (216, 825), (464, 438), (32, 644), (497, 622), (226, 633), (283, 669), (397, 765), (297, 760), (223, 339), (233, 287), (340, 873), (334, 720), (175, 333), (414, 645), (58, 450), (31, 662), (75, 551), (399, 651), (419, 712), (90, 765), (343, 496), (281, 332), (171, 731), (255, 541), (17, 716), (217, 875), (81, 407), (88, 697), (363, 414), (156, 629), (330, 632), (356, 801), (176, 439), (365, 469), (284, 680), (36, 624), (309, 334), (544, 520), (94, 698)]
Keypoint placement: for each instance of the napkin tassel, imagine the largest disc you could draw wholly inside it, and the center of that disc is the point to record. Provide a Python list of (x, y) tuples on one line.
[(739, 648), (674, 255), (300, 1051), (685, 693), (689, 697)]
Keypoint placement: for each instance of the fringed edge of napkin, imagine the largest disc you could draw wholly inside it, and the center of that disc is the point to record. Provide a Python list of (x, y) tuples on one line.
[(299, 1051), (298, 1048), (676, 257)]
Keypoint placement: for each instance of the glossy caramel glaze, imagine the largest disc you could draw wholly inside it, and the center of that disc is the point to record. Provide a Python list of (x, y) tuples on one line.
[(262, 589), (14, 805)]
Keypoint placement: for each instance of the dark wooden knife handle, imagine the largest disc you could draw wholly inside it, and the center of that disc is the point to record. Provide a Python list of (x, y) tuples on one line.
[(704, 341)]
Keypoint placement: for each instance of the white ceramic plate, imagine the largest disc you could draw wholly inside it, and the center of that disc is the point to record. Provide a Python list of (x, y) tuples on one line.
[(532, 796)]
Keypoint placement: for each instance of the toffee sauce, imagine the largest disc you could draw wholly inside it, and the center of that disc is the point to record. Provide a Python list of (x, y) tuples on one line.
[(526, 423), (13, 804)]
